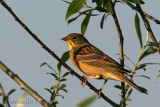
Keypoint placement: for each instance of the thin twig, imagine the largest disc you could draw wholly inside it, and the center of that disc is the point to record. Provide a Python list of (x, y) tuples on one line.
[(57, 87), (23, 85), (141, 52), (4, 95), (147, 15), (147, 25), (135, 66), (55, 56), (121, 52)]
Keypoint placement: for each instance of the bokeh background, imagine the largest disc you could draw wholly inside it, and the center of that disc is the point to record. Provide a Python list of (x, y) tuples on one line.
[(23, 55)]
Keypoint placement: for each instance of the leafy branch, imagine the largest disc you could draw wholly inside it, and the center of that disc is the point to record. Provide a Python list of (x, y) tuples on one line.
[(55, 89), (147, 25), (23, 85), (147, 15), (5, 97)]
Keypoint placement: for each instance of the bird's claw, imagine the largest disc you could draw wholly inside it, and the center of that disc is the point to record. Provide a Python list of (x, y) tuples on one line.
[(99, 93), (85, 81)]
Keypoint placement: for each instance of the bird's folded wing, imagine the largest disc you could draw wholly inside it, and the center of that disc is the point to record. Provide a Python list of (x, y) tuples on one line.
[(92, 56)]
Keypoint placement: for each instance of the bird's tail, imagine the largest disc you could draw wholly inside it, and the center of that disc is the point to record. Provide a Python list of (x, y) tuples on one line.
[(120, 77), (126, 80)]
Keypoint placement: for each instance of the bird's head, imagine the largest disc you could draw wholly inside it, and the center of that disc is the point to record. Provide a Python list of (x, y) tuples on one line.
[(75, 40)]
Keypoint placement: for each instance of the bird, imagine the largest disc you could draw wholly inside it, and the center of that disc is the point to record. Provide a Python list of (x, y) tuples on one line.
[(94, 63)]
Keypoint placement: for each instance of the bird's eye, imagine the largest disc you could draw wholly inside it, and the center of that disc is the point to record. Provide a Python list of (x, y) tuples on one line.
[(74, 37)]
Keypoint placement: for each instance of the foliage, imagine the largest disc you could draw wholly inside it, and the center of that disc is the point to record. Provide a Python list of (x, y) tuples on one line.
[(146, 50), (60, 78), (138, 29), (5, 98), (105, 7), (87, 102)]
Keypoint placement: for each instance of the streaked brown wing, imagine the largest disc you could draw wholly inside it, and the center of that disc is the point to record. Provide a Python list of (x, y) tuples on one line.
[(92, 56)]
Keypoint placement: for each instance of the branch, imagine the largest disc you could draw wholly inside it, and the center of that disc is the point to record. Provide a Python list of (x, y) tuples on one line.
[(123, 100), (147, 15), (23, 85), (147, 25), (54, 55)]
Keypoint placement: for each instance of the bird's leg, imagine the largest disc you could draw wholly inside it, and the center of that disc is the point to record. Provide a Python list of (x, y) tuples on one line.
[(85, 79), (99, 91)]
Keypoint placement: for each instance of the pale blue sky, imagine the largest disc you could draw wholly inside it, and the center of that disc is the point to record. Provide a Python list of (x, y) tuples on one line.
[(47, 20)]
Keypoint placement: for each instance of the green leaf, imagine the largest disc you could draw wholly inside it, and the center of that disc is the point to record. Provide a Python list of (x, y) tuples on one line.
[(62, 86), (142, 76), (60, 96), (0, 94), (128, 68), (118, 86), (11, 91), (63, 80), (56, 102), (73, 19), (138, 29), (48, 66), (126, 57), (108, 5), (151, 44), (137, 1), (150, 64), (44, 63), (145, 76), (98, 2), (48, 90), (149, 51), (51, 68), (64, 58), (80, 13), (127, 86), (65, 90), (117, 1), (53, 87), (129, 93), (141, 66), (53, 94), (86, 11), (101, 9), (5, 99), (144, 89), (1, 105), (74, 7), (65, 74), (54, 75), (87, 102), (66, 2), (102, 21), (128, 99), (85, 23)]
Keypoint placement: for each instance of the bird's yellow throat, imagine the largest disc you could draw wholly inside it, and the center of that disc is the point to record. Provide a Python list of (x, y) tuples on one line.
[(70, 44)]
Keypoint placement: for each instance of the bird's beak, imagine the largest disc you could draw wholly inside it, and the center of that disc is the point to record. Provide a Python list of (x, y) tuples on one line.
[(65, 39)]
